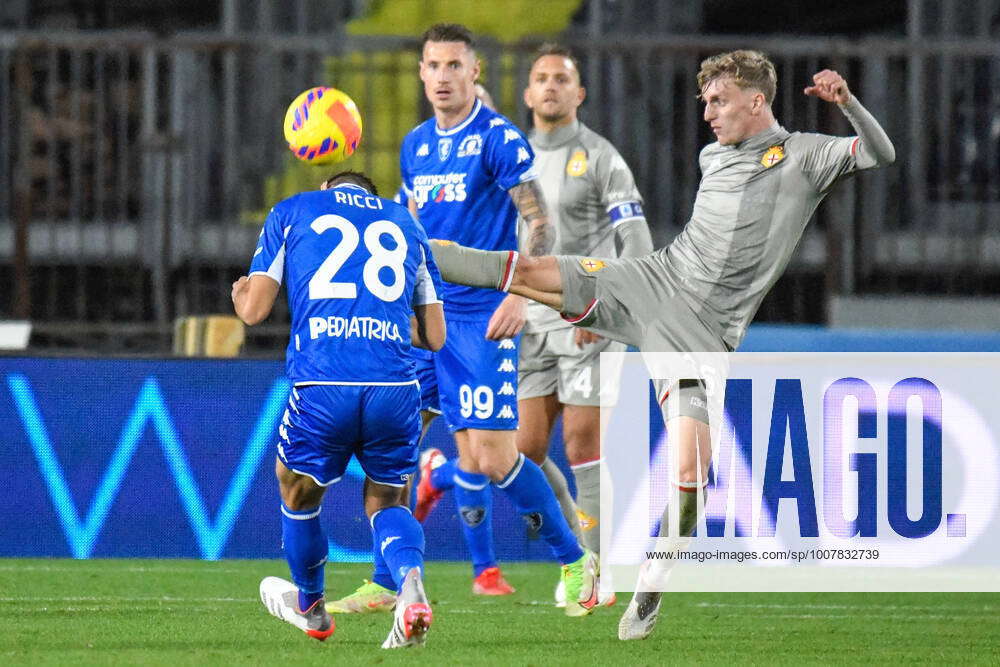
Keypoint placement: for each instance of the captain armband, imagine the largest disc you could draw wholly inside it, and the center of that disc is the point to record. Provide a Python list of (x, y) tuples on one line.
[(629, 210)]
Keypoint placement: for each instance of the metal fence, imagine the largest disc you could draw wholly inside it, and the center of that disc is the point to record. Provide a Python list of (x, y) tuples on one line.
[(130, 165)]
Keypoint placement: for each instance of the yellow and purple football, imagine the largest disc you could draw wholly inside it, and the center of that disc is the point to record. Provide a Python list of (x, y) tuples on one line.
[(322, 125)]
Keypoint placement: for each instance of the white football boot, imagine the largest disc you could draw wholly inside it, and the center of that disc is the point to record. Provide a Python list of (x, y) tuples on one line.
[(639, 619), (413, 615), (281, 598)]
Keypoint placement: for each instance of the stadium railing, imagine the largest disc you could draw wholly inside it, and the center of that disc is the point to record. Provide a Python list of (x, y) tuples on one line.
[(134, 169)]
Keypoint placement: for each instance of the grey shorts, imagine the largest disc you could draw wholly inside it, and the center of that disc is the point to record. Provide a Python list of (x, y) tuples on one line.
[(551, 363), (632, 300)]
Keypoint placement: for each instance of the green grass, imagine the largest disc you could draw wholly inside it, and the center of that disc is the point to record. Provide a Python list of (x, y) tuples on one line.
[(191, 612)]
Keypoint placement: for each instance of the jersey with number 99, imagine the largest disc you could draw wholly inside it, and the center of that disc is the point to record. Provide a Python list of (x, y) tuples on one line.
[(353, 266)]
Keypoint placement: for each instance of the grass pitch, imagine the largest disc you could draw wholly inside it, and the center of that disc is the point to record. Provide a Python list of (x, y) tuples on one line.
[(192, 612)]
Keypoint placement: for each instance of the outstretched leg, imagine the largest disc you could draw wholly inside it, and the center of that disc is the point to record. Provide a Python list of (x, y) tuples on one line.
[(536, 278)]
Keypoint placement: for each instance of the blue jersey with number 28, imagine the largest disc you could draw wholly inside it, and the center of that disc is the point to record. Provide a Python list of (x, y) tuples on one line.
[(353, 266)]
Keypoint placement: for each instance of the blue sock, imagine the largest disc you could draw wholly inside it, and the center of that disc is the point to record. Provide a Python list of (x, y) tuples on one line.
[(400, 539), (381, 574), (443, 477), (527, 487), (475, 506), (305, 550)]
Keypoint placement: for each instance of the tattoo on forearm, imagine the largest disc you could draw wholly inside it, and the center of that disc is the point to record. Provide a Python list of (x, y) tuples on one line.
[(530, 203), (542, 238), (529, 200)]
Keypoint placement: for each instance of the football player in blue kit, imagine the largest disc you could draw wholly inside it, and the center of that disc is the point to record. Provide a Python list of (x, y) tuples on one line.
[(467, 173), (362, 288)]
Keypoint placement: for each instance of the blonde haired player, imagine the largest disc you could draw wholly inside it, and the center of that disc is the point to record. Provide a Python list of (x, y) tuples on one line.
[(760, 185)]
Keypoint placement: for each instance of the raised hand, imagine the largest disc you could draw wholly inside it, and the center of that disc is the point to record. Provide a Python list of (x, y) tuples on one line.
[(829, 86)]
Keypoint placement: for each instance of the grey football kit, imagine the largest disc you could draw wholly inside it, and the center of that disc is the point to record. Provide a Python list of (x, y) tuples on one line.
[(701, 292), (593, 202)]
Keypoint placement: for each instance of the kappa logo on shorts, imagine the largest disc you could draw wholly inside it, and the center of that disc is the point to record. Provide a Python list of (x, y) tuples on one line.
[(506, 344), (577, 165), (507, 389), (506, 366), (591, 265), (505, 413), (773, 156)]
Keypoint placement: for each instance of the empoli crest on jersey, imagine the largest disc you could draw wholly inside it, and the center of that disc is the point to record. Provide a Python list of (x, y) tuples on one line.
[(577, 165), (591, 265), (444, 148), (773, 156)]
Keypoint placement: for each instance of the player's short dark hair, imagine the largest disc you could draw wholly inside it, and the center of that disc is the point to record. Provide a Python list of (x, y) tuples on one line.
[(448, 32), (553, 49), (747, 69), (353, 177)]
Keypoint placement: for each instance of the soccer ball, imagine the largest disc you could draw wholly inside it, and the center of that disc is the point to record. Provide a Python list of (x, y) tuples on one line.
[(322, 125)]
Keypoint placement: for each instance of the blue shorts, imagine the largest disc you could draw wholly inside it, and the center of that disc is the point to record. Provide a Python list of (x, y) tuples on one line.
[(424, 365), (325, 425), (476, 379)]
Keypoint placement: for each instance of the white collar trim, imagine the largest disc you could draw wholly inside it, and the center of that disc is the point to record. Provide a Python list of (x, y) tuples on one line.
[(461, 126), (353, 186)]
